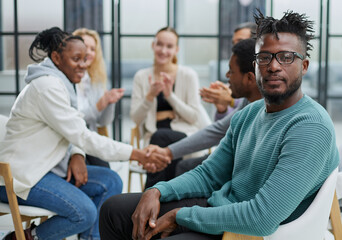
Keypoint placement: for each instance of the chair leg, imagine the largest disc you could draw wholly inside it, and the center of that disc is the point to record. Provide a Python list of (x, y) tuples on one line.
[(27, 224), (129, 181), (142, 182), (335, 218)]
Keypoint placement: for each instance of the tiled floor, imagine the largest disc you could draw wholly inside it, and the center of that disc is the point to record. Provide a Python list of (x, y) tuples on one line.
[(120, 167)]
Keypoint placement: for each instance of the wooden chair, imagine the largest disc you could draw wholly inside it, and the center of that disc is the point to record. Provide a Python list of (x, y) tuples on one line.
[(133, 165), (313, 222), (20, 213), (103, 131)]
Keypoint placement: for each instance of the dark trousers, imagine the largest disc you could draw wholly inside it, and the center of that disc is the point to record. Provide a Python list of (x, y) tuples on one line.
[(164, 137), (116, 213), (94, 161), (188, 164)]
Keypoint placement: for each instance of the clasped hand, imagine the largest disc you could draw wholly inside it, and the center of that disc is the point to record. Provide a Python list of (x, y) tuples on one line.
[(151, 162), (145, 219)]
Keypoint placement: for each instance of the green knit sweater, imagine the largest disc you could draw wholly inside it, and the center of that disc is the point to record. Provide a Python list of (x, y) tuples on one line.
[(266, 171)]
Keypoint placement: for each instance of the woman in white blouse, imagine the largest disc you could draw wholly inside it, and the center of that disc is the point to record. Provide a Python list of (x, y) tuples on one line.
[(165, 100)]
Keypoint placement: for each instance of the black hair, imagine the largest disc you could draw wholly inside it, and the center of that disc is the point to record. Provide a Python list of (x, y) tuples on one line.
[(49, 40), (250, 25), (244, 51), (291, 22)]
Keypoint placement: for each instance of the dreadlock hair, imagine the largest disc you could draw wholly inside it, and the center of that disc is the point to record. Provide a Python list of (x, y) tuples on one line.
[(49, 40), (244, 51), (291, 22)]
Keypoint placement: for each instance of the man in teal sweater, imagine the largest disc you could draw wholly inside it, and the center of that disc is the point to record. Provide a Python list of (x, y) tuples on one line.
[(265, 172)]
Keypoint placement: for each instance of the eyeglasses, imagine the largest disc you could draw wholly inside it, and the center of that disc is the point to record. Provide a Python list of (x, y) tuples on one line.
[(284, 57)]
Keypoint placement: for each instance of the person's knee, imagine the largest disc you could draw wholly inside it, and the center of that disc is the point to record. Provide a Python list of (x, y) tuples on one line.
[(159, 136), (110, 207), (84, 214), (109, 180), (113, 181)]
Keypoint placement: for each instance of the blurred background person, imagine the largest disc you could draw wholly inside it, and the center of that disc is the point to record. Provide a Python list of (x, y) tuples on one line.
[(165, 101), (94, 101), (243, 85), (218, 92)]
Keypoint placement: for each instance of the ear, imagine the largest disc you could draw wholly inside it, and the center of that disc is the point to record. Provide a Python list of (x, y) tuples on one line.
[(250, 76), (305, 66), (177, 49), (56, 58)]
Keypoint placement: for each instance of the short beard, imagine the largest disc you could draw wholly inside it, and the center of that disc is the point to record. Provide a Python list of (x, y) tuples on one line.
[(279, 98)]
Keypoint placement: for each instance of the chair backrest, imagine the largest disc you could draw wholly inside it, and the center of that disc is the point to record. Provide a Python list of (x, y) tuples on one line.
[(339, 177), (340, 154), (314, 221), (3, 122), (311, 225)]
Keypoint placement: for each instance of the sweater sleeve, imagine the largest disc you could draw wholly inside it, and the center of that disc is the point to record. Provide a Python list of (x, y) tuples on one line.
[(203, 180), (139, 104), (306, 159), (188, 109), (205, 138), (56, 112)]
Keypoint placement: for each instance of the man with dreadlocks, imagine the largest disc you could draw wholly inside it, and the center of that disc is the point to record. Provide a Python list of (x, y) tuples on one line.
[(267, 170)]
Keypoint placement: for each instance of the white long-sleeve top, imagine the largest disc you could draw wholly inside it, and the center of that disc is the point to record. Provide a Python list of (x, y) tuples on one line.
[(88, 94), (184, 100), (42, 124)]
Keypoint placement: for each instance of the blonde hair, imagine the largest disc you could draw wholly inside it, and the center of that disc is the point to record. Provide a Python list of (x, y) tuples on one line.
[(172, 30), (97, 69)]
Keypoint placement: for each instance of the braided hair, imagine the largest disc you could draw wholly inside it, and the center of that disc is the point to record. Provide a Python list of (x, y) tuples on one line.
[(49, 40), (291, 22)]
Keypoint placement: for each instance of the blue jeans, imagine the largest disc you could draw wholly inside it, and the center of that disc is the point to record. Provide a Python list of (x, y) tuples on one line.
[(77, 209)]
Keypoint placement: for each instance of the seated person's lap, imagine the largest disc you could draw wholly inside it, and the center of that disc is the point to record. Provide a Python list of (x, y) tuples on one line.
[(117, 211), (56, 194)]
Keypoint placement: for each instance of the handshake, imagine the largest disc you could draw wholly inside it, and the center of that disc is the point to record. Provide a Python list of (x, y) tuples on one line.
[(153, 158)]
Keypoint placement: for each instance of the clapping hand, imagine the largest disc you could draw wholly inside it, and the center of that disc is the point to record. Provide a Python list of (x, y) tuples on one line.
[(155, 88), (168, 83), (109, 97), (219, 94)]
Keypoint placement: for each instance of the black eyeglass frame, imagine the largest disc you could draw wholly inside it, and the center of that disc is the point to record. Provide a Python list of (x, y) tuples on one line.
[(274, 55)]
